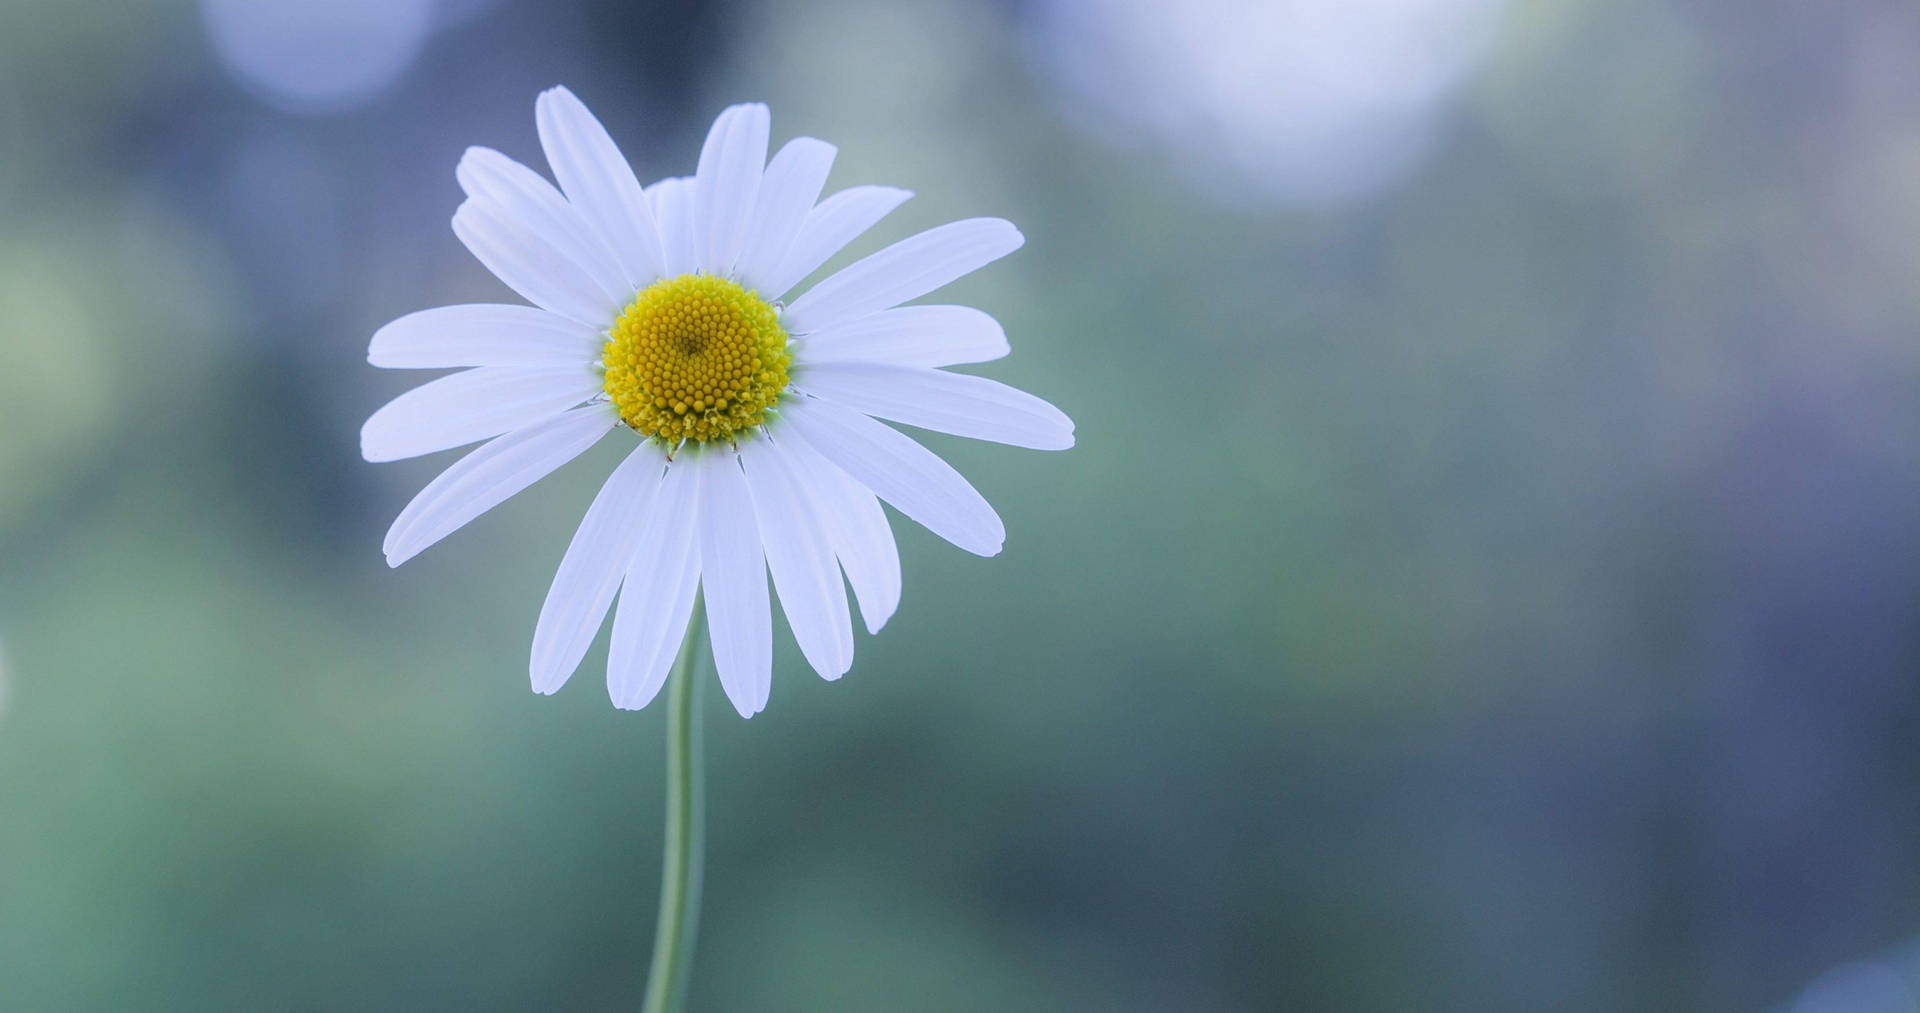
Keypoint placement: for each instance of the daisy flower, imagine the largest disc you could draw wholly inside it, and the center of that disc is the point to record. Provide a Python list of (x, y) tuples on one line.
[(662, 313)]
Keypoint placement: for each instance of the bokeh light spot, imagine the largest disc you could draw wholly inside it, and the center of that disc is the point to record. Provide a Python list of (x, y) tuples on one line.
[(317, 56)]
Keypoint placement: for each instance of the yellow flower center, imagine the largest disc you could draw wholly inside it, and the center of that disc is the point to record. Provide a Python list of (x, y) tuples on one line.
[(696, 358)]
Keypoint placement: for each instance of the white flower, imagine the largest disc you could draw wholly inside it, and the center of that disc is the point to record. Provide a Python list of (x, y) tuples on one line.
[(659, 314)]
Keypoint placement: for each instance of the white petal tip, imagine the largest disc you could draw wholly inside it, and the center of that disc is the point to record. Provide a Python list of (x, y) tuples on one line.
[(373, 451), (376, 450), (745, 708), (626, 702), (377, 347), (398, 549), (463, 170), (553, 101), (543, 681), (626, 698)]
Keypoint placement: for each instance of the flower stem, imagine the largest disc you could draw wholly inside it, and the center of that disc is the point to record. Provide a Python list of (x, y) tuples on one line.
[(686, 832)]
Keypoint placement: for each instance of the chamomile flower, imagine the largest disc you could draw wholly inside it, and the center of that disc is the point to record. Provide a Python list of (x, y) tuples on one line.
[(660, 316)]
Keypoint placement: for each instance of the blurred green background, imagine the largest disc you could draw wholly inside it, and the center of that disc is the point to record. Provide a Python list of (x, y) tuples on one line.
[(1488, 577)]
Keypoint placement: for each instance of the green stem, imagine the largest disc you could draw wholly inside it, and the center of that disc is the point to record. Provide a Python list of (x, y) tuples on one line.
[(686, 831)]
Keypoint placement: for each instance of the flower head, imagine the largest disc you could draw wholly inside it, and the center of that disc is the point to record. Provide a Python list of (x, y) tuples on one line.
[(657, 312)]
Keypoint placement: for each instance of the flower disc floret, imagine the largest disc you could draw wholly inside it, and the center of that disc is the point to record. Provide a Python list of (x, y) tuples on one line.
[(696, 358)]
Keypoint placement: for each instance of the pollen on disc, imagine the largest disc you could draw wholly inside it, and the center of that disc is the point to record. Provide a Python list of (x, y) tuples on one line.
[(696, 358)]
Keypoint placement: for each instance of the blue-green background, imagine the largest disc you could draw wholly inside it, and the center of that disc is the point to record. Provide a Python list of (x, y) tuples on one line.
[(1496, 588)]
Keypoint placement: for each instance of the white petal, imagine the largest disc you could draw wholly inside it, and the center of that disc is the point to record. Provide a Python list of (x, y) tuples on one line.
[(483, 479), (733, 577), (657, 600), (473, 405), (901, 472), (483, 334), (857, 528), (673, 208), (533, 266), (906, 270), (591, 571), (800, 557), (970, 406), (909, 336), (489, 176), (828, 228), (727, 184), (600, 183), (787, 192)]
